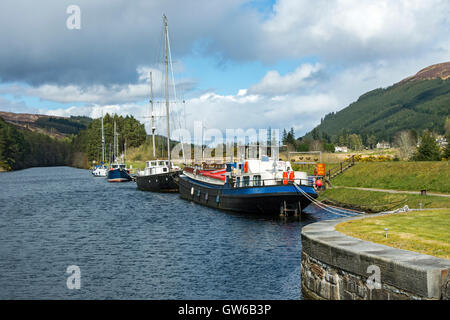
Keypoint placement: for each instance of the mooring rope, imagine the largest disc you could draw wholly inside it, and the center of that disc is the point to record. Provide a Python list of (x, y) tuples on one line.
[(327, 208), (390, 206), (331, 206)]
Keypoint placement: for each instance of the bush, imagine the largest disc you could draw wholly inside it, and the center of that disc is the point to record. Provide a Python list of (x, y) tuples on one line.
[(372, 158)]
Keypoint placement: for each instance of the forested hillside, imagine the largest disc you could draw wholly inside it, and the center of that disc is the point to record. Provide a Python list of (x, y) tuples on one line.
[(89, 141), (416, 103), (73, 125), (51, 125), (21, 147)]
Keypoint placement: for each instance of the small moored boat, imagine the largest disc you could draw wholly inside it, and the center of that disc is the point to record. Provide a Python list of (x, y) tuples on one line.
[(158, 176), (118, 173), (100, 171)]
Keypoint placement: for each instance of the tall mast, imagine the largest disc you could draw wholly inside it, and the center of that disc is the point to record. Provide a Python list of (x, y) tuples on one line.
[(167, 89), (103, 142), (153, 116), (116, 147)]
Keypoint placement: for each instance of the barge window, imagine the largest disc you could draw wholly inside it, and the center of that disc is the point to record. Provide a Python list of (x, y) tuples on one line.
[(238, 182), (257, 180), (246, 181)]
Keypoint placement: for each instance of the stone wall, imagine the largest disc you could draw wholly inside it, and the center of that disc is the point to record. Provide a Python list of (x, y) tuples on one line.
[(337, 267)]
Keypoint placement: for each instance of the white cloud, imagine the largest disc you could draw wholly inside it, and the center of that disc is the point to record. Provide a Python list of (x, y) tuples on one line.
[(101, 94), (248, 110), (274, 101), (360, 45), (273, 83), (364, 30)]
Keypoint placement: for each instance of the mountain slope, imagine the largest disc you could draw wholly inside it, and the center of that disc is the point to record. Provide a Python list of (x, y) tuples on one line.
[(418, 102), (22, 148), (54, 126)]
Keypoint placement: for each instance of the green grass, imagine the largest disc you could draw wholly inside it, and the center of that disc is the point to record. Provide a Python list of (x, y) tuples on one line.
[(137, 165), (425, 231), (414, 176), (374, 201)]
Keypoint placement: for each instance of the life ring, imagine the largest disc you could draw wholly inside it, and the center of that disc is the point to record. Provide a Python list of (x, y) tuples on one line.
[(292, 176), (246, 167), (285, 177)]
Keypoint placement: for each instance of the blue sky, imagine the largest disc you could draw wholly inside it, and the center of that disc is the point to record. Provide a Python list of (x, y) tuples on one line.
[(228, 77), (238, 64)]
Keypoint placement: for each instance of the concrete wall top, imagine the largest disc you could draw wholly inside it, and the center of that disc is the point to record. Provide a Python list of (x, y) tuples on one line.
[(411, 271)]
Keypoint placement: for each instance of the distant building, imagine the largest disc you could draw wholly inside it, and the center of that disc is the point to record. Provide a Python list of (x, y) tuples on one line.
[(383, 145), (340, 149), (441, 141)]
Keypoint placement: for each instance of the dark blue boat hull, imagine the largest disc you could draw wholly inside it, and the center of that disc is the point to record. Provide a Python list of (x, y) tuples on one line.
[(267, 200), (118, 175), (163, 182)]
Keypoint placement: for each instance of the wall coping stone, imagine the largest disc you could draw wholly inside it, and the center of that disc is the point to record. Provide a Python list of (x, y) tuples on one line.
[(414, 272)]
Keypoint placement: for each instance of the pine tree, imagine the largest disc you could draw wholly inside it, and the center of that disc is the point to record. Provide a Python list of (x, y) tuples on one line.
[(428, 150), (284, 137)]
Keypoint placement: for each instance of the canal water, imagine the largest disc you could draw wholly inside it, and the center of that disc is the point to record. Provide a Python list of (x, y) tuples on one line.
[(131, 244)]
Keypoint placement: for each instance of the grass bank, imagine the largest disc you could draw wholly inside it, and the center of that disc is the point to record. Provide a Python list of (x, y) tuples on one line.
[(408, 176), (136, 165), (374, 201), (424, 231)]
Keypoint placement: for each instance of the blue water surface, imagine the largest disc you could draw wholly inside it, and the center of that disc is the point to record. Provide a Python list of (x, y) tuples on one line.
[(131, 244)]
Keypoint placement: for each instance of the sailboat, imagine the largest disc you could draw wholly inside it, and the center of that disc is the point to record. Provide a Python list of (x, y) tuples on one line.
[(101, 170), (118, 171), (160, 175)]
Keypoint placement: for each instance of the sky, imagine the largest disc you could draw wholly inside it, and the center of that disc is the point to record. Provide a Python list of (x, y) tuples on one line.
[(236, 63)]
